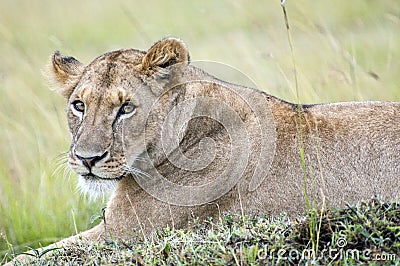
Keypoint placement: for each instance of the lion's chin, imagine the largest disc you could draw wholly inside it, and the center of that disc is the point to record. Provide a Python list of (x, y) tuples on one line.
[(95, 187)]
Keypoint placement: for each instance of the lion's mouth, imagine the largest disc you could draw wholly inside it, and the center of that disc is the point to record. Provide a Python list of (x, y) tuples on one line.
[(93, 177), (96, 186)]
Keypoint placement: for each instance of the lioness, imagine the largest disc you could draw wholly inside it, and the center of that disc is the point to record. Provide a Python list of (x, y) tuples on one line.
[(175, 142)]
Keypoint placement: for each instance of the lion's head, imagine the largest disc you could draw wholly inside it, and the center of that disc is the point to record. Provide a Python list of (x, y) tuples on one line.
[(109, 99)]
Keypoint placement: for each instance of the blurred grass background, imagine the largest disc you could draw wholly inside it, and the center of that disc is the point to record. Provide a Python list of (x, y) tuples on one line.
[(345, 51)]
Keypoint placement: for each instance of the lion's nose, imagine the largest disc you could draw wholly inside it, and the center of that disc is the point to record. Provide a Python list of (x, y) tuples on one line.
[(89, 162)]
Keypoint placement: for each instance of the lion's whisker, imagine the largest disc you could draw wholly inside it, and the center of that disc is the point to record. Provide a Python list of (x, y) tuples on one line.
[(136, 172), (62, 157), (60, 167), (141, 159)]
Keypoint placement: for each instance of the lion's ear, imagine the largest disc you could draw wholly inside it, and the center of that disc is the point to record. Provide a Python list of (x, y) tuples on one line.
[(64, 72), (165, 53)]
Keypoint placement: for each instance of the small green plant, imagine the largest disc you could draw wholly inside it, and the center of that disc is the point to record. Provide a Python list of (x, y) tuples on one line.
[(36, 253)]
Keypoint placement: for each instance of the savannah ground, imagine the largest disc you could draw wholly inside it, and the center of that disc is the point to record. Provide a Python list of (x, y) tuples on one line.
[(344, 51)]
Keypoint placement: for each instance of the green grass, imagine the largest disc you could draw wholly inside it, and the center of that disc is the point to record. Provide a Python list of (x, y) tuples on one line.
[(344, 50), (365, 233)]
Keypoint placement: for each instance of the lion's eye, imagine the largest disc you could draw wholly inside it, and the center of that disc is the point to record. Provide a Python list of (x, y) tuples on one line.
[(79, 106), (127, 108)]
